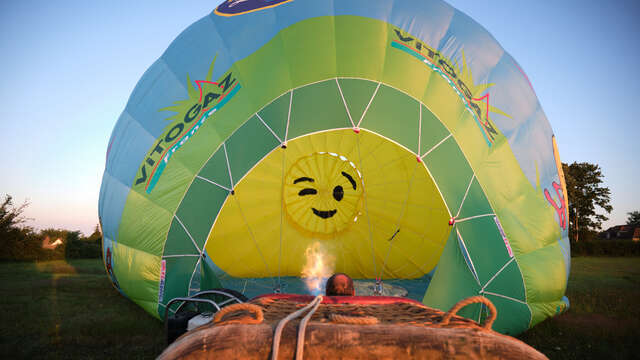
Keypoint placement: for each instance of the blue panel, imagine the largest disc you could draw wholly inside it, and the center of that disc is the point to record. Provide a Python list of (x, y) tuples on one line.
[(144, 104), (113, 196)]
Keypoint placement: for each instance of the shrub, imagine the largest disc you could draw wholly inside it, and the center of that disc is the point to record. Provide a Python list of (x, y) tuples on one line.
[(606, 248)]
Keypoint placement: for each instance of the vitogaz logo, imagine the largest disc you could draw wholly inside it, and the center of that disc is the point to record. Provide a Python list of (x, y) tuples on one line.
[(202, 104), (239, 7), (460, 79)]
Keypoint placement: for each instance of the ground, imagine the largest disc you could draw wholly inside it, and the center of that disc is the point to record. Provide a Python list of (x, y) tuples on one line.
[(61, 310)]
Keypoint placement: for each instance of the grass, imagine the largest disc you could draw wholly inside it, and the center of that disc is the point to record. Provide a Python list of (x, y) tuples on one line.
[(603, 321), (69, 310)]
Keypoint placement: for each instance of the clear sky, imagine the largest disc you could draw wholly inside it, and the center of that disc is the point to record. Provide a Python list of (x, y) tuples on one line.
[(67, 70)]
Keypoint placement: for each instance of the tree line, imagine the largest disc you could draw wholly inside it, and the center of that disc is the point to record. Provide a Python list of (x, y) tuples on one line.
[(589, 200), (23, 243)]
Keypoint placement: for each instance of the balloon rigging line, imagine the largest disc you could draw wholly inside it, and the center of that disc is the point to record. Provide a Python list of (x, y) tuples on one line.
[(468, 257), (364, 199), (269, 128), (505, 297), (474, 217), (369, 104), (286, 131), (419, 129), (253, 238), (345, 103), (496, 274), (193, 276), (181, 255), (284, 152), (404, 209), (465, 194), (188, 234), (224, 146), (435, 146), (213, 182)]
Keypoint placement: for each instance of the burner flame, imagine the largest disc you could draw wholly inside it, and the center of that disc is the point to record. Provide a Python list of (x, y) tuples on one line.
[(317, 269)]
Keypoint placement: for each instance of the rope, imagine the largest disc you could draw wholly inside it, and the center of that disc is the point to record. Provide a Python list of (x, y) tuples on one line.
[(251, 308), (493, 313), (313, 305), (303, 328), (353, 320)]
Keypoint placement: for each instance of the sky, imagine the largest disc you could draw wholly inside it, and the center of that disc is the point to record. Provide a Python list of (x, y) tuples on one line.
[(68, 68)]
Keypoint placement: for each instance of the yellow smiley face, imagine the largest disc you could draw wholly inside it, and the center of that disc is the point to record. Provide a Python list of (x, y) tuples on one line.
[(322, 193)]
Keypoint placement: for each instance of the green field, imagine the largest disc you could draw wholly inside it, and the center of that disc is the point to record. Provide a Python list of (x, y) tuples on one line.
[(62, 310)]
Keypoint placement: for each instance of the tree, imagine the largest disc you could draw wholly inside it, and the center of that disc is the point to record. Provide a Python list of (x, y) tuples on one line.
[(96, 237), (634, 218), (16, 240), (10, 216), (586, 193)]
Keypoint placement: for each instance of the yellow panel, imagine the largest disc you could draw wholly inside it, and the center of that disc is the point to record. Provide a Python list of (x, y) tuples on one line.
[(350, 191)]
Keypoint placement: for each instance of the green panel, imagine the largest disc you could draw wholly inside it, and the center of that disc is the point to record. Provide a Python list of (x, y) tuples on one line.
[(275, 114), (541, 311), (357, 94), (178, 242), (513, 317), (508, 283), (216, 169), (179, 271), (475, 203), (143, 235), (248, 145), (485, 246), (199, 209), (138, 274), (451, 172), (432, 130), (544, 273), (395, 115), (208, 280), (268, 69), (452, 280), (307, 66), (317, 107), (358, 55)]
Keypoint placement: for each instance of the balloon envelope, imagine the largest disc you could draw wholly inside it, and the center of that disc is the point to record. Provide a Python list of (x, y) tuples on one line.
[(395, 137)]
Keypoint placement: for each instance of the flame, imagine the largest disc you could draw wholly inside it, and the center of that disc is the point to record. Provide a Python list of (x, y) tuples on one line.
[(318, 267)]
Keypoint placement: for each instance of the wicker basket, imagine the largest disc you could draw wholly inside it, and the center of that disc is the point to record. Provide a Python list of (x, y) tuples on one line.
[(348, 328)]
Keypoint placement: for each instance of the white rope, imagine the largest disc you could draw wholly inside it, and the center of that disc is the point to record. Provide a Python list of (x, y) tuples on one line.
[(212, 182), (436, 146), (345, 103), (303, 327), (313, 305), (226, 157), (464, 198), (369, 104), (268, 128), (366, 208)]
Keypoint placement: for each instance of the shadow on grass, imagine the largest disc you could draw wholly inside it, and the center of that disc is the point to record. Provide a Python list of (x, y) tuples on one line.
[(65, 310)]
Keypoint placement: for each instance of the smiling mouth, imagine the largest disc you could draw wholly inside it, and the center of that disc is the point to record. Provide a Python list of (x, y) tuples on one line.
[(325, 214)]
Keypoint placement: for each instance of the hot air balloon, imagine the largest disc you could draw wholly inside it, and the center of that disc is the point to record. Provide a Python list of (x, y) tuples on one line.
[(398, 137)]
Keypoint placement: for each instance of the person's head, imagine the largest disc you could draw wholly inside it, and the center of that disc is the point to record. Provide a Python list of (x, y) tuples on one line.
[(340, 285)]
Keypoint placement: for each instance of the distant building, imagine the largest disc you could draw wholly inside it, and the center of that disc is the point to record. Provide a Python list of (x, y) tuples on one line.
[(621, 232), (47, 244)]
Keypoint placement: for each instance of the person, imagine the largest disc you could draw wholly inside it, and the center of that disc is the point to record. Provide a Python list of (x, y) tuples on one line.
[(340, 285)]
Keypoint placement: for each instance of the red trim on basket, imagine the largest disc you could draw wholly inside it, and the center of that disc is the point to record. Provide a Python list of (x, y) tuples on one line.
[(365, 300)]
